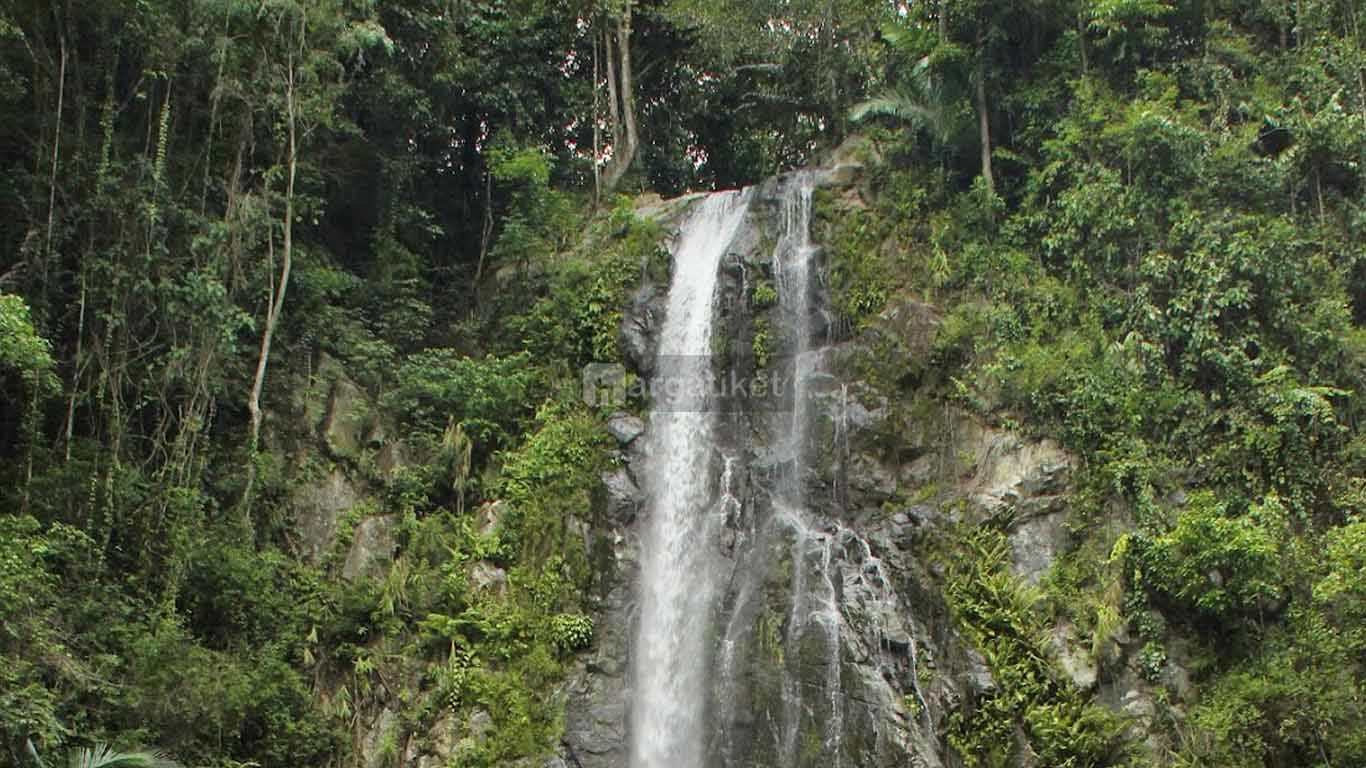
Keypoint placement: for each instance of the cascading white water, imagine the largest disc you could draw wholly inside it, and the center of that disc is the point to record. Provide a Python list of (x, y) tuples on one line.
[(814, 606), (669, 669)]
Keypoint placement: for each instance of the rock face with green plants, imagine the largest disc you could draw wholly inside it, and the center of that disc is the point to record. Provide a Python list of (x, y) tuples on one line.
[(842, 617), (298, 300)]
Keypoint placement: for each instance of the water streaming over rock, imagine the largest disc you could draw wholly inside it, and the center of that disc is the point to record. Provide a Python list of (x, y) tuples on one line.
[(813, 614), (769, 633), (670, 673)]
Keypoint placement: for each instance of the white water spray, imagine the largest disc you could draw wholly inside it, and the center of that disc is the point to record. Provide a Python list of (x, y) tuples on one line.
[(676, 592)]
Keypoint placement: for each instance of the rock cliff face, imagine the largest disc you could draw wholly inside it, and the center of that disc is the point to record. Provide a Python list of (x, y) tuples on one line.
[(833, 643)]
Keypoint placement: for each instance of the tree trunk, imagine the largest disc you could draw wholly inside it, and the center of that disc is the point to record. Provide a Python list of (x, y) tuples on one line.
[(628, 88), (597, 131), (56, 154), (76, 367), (486, 233), (984, 125), (624, 138), (277, 298)]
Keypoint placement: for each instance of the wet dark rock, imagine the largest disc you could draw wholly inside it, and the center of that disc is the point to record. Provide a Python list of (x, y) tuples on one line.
[(638, 332), (625, 427), (623, 497)]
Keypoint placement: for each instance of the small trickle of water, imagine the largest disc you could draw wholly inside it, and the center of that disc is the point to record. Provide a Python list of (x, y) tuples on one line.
[(814, 606)]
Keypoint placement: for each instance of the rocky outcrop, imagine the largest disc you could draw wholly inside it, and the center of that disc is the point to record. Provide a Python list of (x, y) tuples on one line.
[(597, 689), (372, 548), (874, 664), (834, 643), (330, 484), (318, 510), (639, 330)]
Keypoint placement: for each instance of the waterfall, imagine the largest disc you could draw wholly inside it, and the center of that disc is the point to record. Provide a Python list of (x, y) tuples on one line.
[(814, 614), (767, 684), (676, 594)]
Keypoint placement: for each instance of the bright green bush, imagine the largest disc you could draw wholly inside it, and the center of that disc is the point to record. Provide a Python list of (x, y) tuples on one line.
[(1215, 563), (578, 317), (488, 397), (860, 277), (571, 631), (1002, 619), (550, 480), (21, 348)]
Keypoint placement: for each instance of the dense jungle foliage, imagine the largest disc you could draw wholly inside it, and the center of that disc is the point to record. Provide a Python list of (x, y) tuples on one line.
[(1144, 222)]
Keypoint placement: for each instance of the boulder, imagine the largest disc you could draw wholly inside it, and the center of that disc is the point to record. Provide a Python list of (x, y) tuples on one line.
[(379, 739), (1035, 544), (346, 422), (489, 516), (318, 506), (625, 428), (485, 576), (372, 549), (623, 497), (394, 456), (441, 743), (639, 329), (1009, 469), (977, 677), (1073, 659)]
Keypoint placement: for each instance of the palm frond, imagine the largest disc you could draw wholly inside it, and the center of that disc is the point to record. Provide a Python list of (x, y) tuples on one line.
[(105, 756), (894, 105)]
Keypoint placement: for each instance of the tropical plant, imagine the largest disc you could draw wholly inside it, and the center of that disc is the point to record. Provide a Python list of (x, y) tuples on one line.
[(919, 103), (101, 755)]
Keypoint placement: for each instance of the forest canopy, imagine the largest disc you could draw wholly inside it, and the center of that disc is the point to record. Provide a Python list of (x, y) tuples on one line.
[(1144, 221)]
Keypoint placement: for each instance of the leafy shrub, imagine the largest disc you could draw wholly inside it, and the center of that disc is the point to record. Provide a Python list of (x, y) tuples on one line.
[(550, 479), (860, 278), (21, 348), (571, 631), (487, 397), (763, 294), (578, 318), (1000, 616), (1214, 564), (1295, 703)]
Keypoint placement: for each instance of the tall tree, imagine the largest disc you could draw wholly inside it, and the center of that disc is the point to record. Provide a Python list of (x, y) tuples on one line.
[(616, 44)]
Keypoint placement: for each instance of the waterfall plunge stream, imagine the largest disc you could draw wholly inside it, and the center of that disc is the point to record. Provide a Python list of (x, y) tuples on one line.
[(676, 593), (766, 684)]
